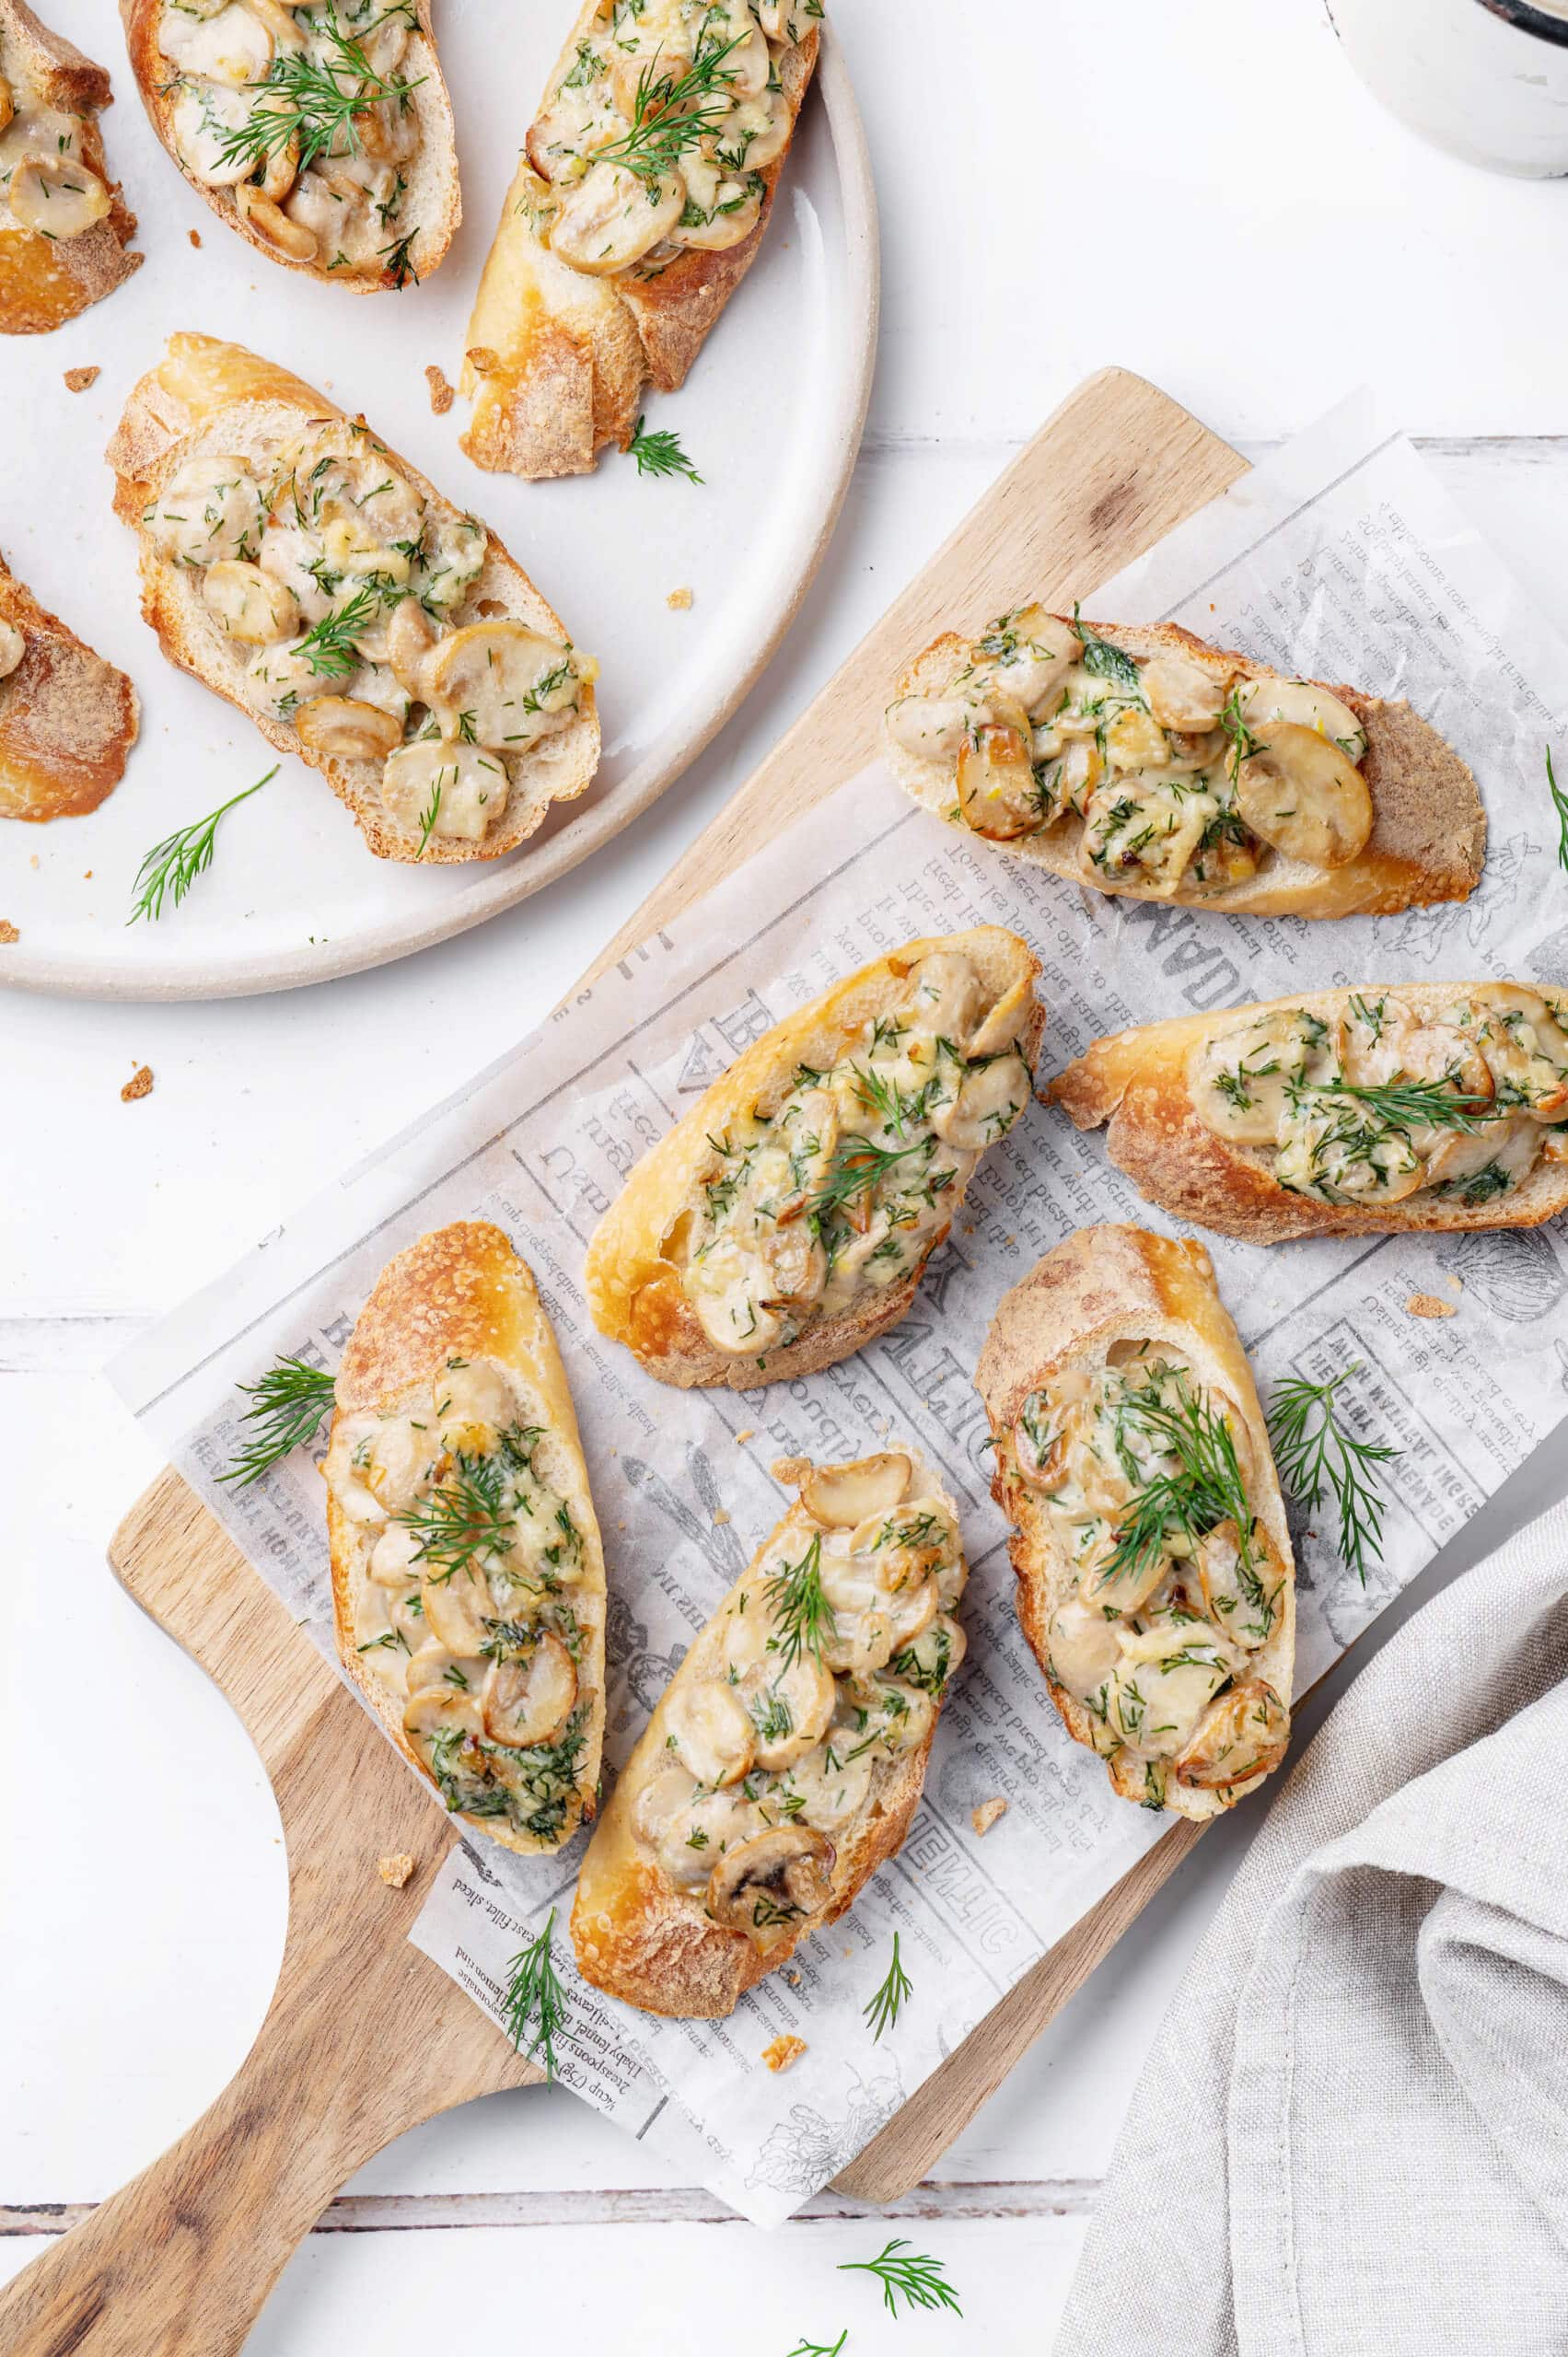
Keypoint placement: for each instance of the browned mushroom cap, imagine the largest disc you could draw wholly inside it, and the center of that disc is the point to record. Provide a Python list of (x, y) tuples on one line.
[(1298, 792), (529, 1701), (840, 1496), (997, 796), (1244, 1732), (768, 1886)]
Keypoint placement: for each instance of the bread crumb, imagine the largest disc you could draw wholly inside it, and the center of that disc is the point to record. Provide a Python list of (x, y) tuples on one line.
[(1430, 1305), (79, 380), (680, 601), (482, 359), (33, 861), (7, 933), (720, 1518), (139, 1085), (783, 2053), (983, 1818), (1457, 1283), (86, 875), (394, 1872), (793, 1469), (793, 1976), (442, 395), (747, 1431), (195, 237)]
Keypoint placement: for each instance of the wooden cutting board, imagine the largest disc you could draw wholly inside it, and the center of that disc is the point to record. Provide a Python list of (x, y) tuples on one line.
[(179, 2262)]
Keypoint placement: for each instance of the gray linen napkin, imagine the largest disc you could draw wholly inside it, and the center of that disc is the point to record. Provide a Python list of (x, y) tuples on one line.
[(1352, 2134)]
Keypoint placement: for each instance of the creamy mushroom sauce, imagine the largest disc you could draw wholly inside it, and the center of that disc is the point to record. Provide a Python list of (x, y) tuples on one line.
[(260, 95), (44, 184), (618, 194), (467, 1610), (841, 1190), (348, 584), (797, 1703), (1180, 777), (1383, 1103), (1157, 1640)]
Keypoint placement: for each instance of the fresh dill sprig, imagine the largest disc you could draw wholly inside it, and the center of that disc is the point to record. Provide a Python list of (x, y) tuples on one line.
[(465, 1516), (533, 1988), (660, 453), (672, 114), (428, 818), (173, 865), (820, 2347), (919, 2279), (329, 647), (882, 2010), (314, 100), (1560, 803), (1318, 1456), (803, 1618), (1413, 1104), (290, 1402), (1205, 1488), (399, 259), (855, 1167), (1103, 661)]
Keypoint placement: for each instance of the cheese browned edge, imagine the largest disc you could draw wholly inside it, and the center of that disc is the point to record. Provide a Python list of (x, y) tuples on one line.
[(44, 281)]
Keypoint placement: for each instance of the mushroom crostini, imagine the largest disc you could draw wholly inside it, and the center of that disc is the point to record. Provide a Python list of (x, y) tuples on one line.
[(67, 719), (783, 1763), (63, 229), (1144, 763)]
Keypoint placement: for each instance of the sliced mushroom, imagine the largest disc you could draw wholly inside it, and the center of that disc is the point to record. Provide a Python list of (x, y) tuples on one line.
[(408, 642), (251, 605), (346, 730), (934, 728), (500, 684), (945, 996), (911, 1543), (1523, 1042), (1005, 1024), (1241, 1598), (1028, 654), (232, 47), (1297, 791), (1079, 773), (13, 646), (611, 218), (398, 1462), (441, 1709), (392, 1559), (7, 103), (202, 117), (714, 1734), (432, 1665), (1506, 1149), (758, 129), (663, 1797), (991, 1098), (1241, 1082), (769, 1888), (528, 1702), (1182, 693), (1083, 1646), (1246, 1732), (458, 1608), (997, 793), (797, 1265), (269, 221), (791, 1709), (899, 1717), (831, 1785), (1322, 1155), (1134, 740), (840, 1496), (1304, 706), (1164, 1683), (57, 195), (467, 786), (474, 1404)]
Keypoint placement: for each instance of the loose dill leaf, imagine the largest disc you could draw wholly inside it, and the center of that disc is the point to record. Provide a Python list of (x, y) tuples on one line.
[(1103, 661), (399, 259), (660, 453), (1413, 1104), (820, 2348), (882, 2010), (329, 647), (1315, 1458), (314, 100), (533, 1988), (290, 1402), (1560, 803), (803, 1618), (920, 2280), (428, 818), (673, 113), (173, 865)]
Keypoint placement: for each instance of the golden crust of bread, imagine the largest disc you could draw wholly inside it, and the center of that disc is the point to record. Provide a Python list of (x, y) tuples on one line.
[(1135, 1085), (635, 1294), (1104, 1286), (207, 393), (1428, 839), (46, 281), (463, 1292), (433, 168), (641, 1939), (564, 358), (67, 719)]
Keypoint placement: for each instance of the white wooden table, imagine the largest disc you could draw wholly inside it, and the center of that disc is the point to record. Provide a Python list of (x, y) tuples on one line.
[(1203, 194)]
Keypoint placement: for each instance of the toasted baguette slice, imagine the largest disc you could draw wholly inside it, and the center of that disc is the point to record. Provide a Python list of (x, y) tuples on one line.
[(1145, 1083), (557, 358), (1427, 838), (453, 1413), (67, 719), (784, 1762), (46, 280), (1198, 1744), (642, 1256), (209, 399), (419, 190)]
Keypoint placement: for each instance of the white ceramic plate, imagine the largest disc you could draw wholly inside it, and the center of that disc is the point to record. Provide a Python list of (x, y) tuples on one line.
[(772, 417)]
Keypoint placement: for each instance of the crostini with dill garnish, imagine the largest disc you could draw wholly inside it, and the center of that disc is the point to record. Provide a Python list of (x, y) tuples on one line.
[(783, 1765), (1157, 1585)]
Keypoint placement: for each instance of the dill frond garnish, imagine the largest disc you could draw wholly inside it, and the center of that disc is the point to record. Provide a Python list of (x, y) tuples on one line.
[(289, 1404)]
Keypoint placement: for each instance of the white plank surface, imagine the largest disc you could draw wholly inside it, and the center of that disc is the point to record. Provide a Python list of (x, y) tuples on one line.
[(159, 1912)]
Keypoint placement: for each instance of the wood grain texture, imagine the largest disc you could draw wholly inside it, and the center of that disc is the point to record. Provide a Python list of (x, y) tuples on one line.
[(179, 2261)]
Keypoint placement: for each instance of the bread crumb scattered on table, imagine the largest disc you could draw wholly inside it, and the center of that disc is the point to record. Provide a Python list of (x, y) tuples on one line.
[(139, 1085), (79, 380), (1430, 1305), (195, 237), (983, 1818), (720, 1516), (679, 600), (784, 2051), (7, 933), (483, 359), (395, 1871), (442, 395), (747, 1431), (1457, 1282)]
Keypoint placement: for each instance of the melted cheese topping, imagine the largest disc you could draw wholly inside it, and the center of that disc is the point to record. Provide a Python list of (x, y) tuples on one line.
[(846, 1186), (798, 1701), (471, 1611), (1383, 1103), (1178, 776), (1156, 1641), (302, 111), (659, 135), (349, 584)]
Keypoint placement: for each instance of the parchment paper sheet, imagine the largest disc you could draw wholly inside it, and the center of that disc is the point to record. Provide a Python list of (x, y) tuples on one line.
[(1341, 558)]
